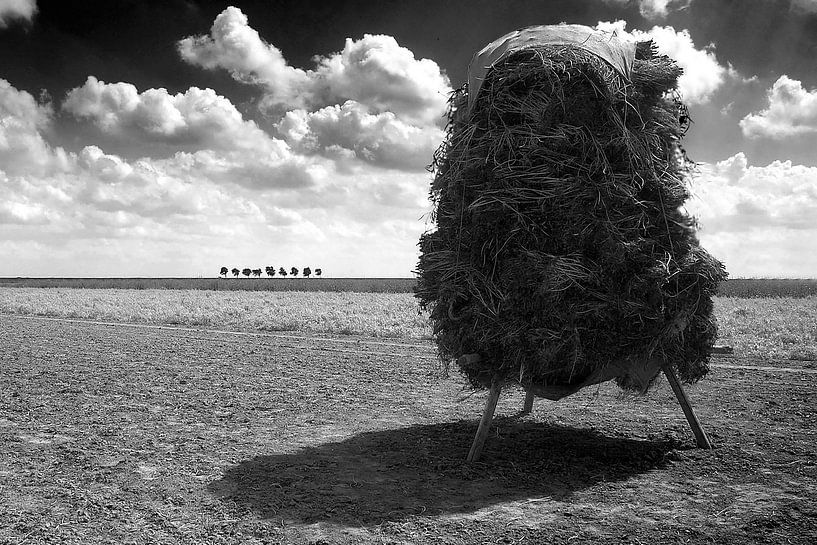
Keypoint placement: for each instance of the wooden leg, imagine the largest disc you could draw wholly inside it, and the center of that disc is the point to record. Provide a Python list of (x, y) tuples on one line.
[(681, 395), (528, 403), (485, 423)]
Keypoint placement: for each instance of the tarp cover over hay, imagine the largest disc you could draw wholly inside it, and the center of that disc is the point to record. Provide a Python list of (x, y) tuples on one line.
[(561, 256)]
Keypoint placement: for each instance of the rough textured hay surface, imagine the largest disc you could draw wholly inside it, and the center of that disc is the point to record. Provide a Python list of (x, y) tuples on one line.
[(561, 253)]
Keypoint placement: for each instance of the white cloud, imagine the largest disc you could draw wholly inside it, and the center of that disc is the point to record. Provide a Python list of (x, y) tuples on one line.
[(211, 138), (809, 6), (653, 9), (39, 181), (94, 212), (202, 186), (747, 212), (18, 208), (377, 72), (22, 146), (737, 196), (659, 9), (11, 10), (381, 139), (242, 168), (792, 111), (703, 74), (238, 48), (110, 184), (374, 71), (197, 118)]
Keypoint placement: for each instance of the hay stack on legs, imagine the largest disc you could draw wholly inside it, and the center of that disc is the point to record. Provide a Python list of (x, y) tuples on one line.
[(562, 256)]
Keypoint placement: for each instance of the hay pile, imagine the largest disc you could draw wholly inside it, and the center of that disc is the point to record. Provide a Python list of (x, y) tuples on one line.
[(561, 256)]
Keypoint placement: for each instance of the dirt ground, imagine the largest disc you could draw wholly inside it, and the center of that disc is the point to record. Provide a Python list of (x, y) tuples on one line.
[(122, 434)]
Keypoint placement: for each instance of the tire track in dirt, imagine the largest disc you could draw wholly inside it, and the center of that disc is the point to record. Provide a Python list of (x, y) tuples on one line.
[(323, 343)]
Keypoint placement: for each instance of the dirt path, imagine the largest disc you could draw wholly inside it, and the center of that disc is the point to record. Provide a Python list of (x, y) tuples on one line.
[(114, 433)]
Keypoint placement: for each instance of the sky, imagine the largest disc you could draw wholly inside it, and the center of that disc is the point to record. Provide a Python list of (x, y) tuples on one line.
[(174, 137)]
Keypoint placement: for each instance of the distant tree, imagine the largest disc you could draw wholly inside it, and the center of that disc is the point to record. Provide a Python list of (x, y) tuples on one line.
[(246, 272), (307, 272), (235, 272), (270, 270), (282, 271), (293, 271), (223, 272), (317, 272), (256, 272)]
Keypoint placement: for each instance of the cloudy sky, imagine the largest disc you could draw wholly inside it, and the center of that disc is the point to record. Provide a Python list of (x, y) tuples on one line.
[(170, 138)]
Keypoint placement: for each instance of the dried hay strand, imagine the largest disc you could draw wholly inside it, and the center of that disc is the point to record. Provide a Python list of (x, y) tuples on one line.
[(561, 254)]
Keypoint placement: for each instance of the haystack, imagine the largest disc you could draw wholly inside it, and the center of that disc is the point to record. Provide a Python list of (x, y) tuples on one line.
[(562, 256)]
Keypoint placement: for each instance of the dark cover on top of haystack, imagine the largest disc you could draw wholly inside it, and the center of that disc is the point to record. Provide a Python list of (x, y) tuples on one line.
[(561, 256)]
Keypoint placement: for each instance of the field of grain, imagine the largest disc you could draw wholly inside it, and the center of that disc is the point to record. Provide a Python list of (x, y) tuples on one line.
[(374, 314), (358, 285), (737, 287), (768, 287), (780, 328)]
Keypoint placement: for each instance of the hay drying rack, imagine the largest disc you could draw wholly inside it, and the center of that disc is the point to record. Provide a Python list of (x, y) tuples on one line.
[(701, 438), (608, 56)]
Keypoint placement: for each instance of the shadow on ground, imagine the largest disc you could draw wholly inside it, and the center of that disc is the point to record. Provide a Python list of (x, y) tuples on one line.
[(390, 475)]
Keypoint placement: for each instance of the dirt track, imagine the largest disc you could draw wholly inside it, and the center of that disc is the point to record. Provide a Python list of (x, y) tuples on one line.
[(113, 433)]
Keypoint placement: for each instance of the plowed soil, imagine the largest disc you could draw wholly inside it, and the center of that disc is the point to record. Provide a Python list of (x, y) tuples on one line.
[(124, 434)]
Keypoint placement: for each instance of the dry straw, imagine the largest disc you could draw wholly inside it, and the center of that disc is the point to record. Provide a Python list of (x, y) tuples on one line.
[(561, 255)]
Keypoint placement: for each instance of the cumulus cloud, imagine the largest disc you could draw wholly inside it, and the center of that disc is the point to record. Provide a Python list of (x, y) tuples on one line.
[(653, 9), (111, 184), (374, 71), (209, 135), (241, 168), (235, 46), (381, 139), (372, 102), (746, 211), (41, 183), (22, 213), (735, 196), (182, 213), (792, 111), (22, 146), (386, 77), (17, 208), (809, 6), (201, 184), (11, 10), (198, 118), (703, 74)]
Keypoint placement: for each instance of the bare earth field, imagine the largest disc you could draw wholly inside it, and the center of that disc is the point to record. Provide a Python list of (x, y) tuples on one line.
[(137, 434)]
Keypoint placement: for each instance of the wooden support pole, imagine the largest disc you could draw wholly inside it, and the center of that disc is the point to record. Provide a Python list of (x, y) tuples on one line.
[(681, 395), (485, 423), (528, 403)]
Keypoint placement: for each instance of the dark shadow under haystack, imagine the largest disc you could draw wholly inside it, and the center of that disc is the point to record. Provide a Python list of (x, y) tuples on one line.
[(561, 255)]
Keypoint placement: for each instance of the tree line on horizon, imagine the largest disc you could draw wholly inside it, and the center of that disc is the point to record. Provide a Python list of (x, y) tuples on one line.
[(270, 270)]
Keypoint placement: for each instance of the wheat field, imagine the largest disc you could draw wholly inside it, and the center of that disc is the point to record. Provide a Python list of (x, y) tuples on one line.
[(783, 328)]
